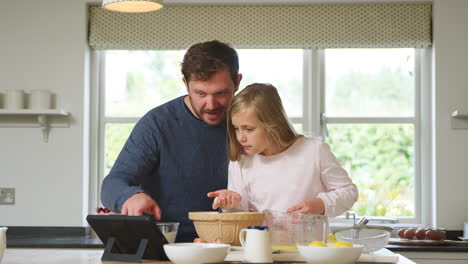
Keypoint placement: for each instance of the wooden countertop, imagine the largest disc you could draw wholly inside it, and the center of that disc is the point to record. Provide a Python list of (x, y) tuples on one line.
[(88, 256)]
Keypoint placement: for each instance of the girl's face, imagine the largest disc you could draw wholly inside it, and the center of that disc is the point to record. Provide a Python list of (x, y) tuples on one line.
[(252, 135)]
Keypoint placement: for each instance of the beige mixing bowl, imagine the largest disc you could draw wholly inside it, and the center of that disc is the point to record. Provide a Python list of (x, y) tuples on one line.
[(213, 225)]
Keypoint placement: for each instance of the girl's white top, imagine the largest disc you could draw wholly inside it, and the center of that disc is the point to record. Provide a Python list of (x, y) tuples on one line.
[(305, 170)]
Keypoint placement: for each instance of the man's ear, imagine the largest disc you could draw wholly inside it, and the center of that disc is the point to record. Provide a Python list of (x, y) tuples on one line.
[(185, 83), (239, 79)]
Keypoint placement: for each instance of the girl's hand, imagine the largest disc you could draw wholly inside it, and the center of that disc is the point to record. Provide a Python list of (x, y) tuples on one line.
[(312, 206), (225, 199)]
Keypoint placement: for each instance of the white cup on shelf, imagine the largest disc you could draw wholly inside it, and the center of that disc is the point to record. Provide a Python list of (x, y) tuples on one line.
[(14, 99), (39, 99)]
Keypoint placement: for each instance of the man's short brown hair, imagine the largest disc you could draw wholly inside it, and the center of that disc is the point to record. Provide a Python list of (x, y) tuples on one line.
[(202, 60)]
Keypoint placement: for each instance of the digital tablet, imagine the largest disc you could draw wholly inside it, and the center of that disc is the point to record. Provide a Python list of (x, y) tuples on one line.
[(129, 238)]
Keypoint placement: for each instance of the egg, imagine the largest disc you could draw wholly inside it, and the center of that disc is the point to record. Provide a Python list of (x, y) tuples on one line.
[(420, 233), (401, 233), (409, 233), (435, 234)]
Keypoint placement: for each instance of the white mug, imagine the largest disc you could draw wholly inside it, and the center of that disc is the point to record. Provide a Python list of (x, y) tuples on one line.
[(14, 99), (256, 244), (2, 242), (39, 99)]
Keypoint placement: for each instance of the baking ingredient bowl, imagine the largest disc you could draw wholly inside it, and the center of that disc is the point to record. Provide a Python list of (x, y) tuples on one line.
[(226, 226), (196, 253), (330, 255), (169, 230), (288, 229), (371, 237)]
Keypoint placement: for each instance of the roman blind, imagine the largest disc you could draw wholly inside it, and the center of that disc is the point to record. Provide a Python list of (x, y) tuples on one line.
[(389, 25)]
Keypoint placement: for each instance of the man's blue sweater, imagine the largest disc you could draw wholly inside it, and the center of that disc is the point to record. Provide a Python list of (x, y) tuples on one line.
[(176, 159)]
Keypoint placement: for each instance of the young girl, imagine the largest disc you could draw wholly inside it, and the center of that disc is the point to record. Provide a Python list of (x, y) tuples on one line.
[(272, 167)]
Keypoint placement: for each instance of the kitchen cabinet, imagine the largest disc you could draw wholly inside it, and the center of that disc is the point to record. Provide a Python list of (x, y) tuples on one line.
[(436, 257), (45, 119)]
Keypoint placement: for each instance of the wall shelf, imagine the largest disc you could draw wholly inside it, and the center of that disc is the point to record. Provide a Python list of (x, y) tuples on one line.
[(459, 119), (45, 119), (459, 114)]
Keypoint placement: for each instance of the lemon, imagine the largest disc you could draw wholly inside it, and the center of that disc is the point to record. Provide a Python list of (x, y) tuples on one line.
[(331, 238), (341, 244), (317, 243)]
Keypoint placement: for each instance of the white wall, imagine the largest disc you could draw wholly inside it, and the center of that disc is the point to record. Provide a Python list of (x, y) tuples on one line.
[(451, 92), (43, 45)]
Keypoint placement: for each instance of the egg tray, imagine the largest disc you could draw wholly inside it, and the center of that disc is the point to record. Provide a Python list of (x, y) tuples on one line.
[(424, 242)]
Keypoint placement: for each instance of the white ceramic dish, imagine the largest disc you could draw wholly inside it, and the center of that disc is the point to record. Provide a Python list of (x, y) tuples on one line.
[(373, 238), (330, 255), (196, 253)]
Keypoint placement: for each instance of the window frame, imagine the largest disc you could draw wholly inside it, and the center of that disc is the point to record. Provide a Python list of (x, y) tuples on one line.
[(421, 115), (313, 107)]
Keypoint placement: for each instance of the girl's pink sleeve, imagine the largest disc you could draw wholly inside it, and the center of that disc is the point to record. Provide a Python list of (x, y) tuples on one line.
[(236, 184), (340, 192)]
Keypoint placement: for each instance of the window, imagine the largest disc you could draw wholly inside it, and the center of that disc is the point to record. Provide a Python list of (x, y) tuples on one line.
[(135, 82), (367, 100), (370, 114)]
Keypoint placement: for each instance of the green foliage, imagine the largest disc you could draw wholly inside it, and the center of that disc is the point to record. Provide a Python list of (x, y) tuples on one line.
[(116, 135), (379, 159), (152, 78)]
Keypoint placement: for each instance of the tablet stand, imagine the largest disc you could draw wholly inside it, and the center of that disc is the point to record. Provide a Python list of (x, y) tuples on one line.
[(109, 256), (129, 238)]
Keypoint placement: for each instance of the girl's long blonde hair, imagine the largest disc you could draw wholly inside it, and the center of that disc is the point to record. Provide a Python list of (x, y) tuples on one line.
[(263, 99)]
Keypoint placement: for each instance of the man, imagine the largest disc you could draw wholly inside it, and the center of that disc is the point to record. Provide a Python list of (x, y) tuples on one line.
[(176, 153)]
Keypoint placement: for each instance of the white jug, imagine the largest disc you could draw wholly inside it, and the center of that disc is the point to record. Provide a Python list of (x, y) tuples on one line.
[(2, 241), (255, 241)]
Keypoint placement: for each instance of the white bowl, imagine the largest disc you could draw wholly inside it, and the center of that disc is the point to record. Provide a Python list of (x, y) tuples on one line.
[(372, 237), (196, 253), (329, 255)]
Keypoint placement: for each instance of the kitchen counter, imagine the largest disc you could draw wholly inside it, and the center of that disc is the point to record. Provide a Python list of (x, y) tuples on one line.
[(87, 241), (441, 248), (87, 256), (71, 241)]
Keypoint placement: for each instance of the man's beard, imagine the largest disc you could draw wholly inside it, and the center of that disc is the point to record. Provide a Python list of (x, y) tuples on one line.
[(211, 111)]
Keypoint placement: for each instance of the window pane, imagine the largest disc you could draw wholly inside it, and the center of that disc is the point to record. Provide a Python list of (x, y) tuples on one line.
[(279, 67), (137, 81), (298, 128), (369, 82), (116, 135), (379, 159)]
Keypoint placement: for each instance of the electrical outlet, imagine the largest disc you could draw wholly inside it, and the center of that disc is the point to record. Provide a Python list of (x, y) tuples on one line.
[(7, 196)]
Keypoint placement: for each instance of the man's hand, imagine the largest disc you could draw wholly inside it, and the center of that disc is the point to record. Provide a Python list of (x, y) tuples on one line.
[(312, 206), (140, 203), (225, 199)]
